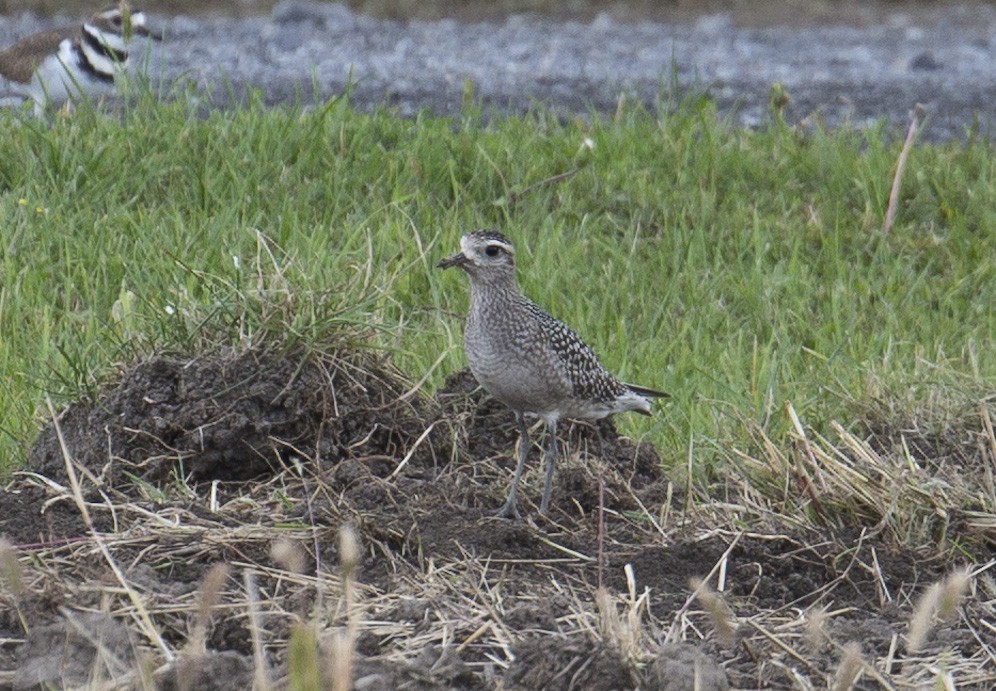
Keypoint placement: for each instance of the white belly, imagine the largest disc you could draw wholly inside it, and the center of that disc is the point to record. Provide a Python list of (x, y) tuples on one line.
[(59, 78)]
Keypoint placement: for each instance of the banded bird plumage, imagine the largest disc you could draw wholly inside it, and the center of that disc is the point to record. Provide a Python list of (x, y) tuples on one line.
[(65, 65), (529, 360)]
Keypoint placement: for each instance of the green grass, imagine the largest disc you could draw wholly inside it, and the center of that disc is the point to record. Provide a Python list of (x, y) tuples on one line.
[(737, 270)]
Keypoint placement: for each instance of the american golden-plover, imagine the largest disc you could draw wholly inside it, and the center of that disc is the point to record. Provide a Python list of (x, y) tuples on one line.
[(530, 361)]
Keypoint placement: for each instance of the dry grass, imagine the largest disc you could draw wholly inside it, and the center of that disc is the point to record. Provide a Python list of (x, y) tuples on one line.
[(313, 576), (912, 486)]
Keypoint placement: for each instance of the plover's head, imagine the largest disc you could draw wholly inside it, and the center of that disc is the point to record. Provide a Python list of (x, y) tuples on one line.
[(484, 253), (114, 27)]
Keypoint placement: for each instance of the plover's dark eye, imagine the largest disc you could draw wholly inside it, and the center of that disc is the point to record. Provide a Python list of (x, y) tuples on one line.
[(492, 250)]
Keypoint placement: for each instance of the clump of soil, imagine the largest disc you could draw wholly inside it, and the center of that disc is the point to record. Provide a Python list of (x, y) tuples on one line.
[(233, 416), (262, 462), (74, 650), (681, 666), (221, 671), (562, 664)]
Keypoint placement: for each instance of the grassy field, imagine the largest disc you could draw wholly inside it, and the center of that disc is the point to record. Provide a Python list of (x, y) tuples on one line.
[(738, 270), (826, 451)]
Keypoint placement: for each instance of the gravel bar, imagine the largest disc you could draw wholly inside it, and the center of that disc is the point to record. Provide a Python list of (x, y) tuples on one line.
[(844, 75)]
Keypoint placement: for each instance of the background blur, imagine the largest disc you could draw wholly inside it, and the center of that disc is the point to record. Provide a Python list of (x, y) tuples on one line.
[(744, 12)]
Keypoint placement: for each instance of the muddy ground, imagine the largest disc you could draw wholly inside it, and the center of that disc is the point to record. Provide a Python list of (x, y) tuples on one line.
[(257, 461)]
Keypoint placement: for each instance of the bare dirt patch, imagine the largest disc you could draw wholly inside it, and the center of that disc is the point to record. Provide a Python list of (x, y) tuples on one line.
[(257, 461)]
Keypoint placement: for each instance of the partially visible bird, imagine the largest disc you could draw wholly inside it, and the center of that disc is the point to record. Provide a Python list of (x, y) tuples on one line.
[(64, 65), (530, 361)]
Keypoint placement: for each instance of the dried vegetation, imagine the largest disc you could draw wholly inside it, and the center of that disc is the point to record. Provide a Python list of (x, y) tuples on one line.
[(258, 518)]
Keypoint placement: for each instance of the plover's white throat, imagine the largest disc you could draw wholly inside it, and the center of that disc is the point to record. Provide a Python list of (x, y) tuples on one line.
[(53, 67), (530, 361)]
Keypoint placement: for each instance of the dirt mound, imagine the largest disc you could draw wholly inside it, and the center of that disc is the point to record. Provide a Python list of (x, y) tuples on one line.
[(232, 416), (259, 462)]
